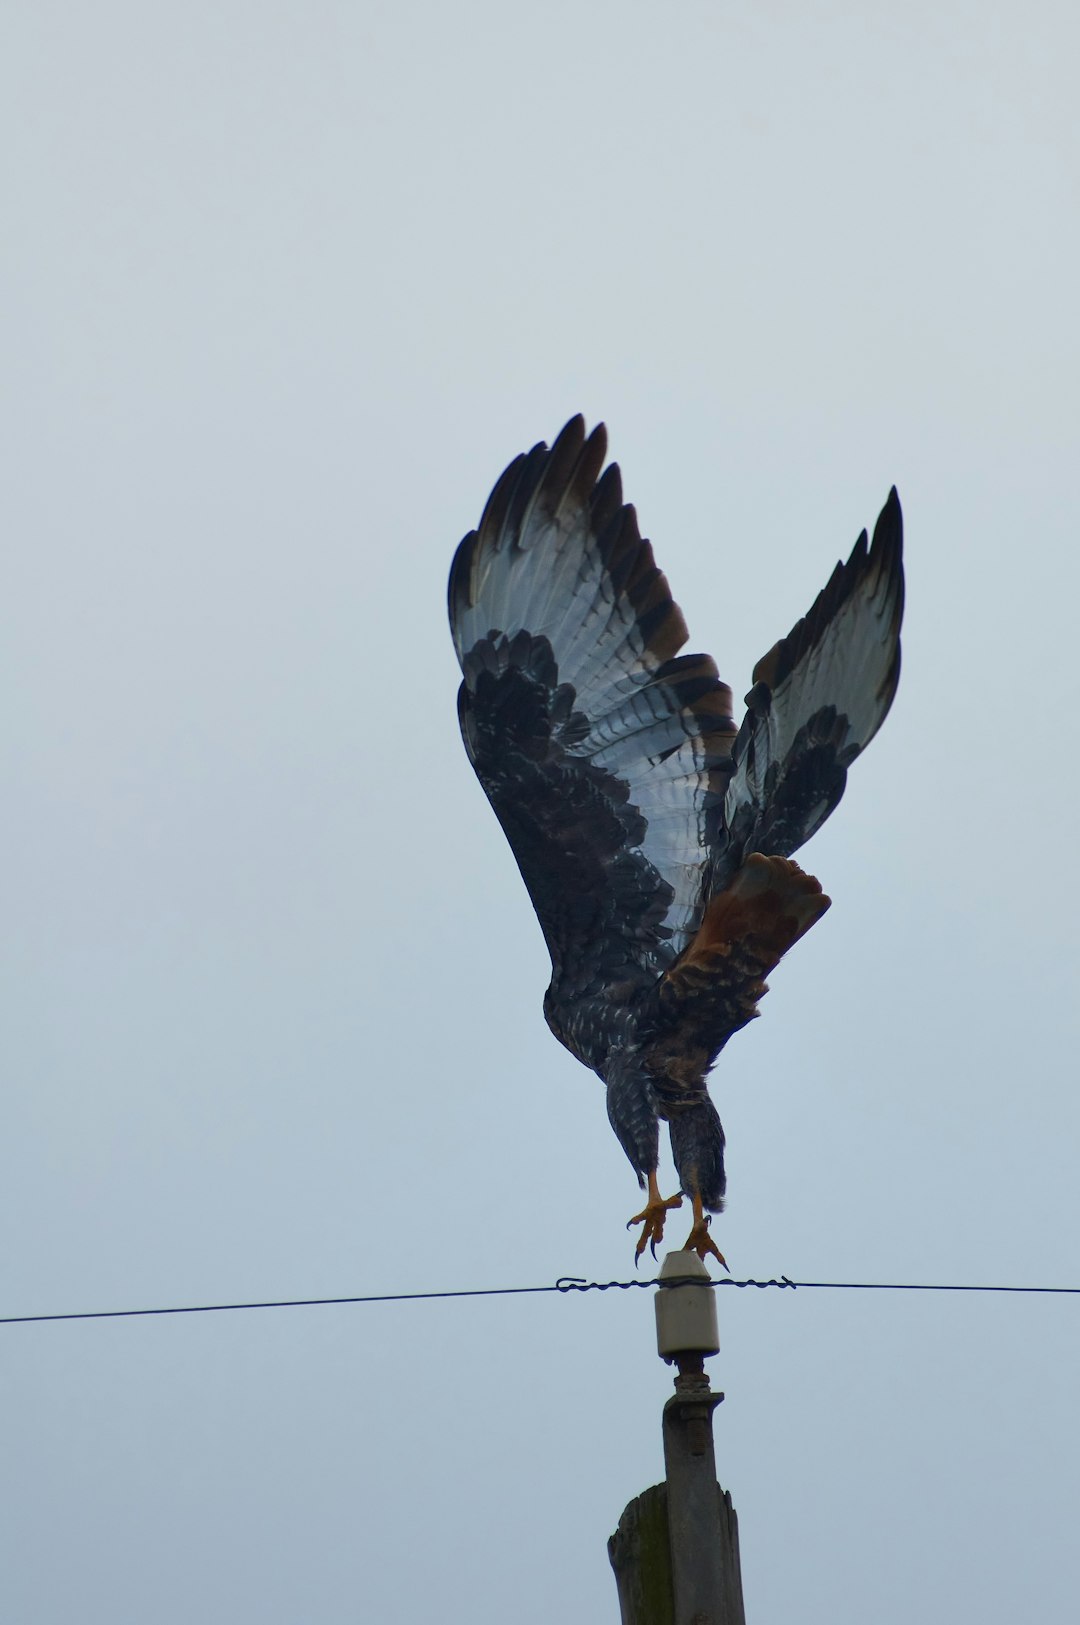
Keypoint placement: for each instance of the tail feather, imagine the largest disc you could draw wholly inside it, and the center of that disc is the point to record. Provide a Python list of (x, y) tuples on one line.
[(713, 988), (770, 904)]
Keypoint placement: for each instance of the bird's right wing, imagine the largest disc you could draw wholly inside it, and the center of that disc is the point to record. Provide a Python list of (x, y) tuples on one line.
[(819, 697)]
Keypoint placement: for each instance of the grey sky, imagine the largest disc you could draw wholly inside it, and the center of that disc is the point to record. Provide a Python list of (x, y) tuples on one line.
[(284, 289)]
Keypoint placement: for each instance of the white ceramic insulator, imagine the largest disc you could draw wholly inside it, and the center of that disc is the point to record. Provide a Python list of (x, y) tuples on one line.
[(685, 1314)]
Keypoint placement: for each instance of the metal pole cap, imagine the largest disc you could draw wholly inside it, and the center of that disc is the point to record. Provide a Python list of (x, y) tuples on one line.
[(685, 1308)]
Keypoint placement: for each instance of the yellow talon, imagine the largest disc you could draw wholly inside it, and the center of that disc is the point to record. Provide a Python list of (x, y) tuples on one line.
[(652, 1217), (699, 1240)]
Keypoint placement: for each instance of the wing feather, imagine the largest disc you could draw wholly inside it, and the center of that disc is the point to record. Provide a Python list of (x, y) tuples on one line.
[(819, 697), (611, 760), (604, 753)]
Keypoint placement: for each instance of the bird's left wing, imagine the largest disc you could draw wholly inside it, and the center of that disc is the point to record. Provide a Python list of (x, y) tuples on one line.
[(605, 754)]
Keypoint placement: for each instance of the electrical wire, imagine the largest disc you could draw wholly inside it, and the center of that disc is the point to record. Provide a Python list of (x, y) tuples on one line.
[(565, 1284)]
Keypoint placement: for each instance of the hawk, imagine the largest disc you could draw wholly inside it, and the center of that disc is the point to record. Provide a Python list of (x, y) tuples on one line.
[(653, 834)]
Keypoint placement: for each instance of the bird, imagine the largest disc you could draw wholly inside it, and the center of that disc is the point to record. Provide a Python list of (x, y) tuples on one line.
[(653, 833)]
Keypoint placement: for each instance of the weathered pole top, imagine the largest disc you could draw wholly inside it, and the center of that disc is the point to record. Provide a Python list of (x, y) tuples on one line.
[(676, 1550), (686, 1324)]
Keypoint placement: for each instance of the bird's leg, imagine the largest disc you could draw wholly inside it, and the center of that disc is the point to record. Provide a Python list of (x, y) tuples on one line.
[(652, 1218), (699, 1240)]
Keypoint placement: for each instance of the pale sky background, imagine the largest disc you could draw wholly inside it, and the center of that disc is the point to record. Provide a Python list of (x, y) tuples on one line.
[(283, 288)]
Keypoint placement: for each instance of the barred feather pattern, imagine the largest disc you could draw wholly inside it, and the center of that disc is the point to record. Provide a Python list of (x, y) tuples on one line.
[(640, 817)]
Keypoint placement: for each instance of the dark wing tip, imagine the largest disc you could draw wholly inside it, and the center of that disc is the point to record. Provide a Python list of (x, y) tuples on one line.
[(458, 589), (887, 554), (889, 530), (572, 460), (574, 431), (882, 558), (555, 481), (569, 445), (568, 468), (888, 547)]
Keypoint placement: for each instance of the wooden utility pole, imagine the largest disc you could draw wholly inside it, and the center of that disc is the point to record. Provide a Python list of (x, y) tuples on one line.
[(676, 1550)]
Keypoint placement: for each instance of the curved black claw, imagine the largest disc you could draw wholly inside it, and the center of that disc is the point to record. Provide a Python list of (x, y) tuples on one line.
[(699, 1241), (651, 1218)]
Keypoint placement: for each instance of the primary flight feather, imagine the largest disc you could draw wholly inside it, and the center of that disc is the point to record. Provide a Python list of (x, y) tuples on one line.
[(655, 837)]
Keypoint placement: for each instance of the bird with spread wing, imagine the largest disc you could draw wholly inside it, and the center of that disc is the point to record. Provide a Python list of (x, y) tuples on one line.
[(655, 836)]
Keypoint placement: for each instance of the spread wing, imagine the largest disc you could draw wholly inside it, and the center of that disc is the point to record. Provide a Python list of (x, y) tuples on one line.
[(819, 697), (605, 754)]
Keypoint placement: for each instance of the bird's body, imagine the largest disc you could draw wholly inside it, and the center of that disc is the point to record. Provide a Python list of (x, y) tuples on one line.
[(653, 835)]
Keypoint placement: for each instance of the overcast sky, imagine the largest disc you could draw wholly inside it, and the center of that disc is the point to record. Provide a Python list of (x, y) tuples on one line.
[(284, 287)]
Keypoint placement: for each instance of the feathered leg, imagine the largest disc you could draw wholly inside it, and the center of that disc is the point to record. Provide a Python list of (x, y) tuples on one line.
[(631, 1104), (697, 1145), (710, 992)]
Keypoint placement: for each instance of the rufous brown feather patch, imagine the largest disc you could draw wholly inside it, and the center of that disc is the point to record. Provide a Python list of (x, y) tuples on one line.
[(769, 905)]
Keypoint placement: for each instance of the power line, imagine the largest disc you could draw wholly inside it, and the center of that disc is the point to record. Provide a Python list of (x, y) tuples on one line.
[(565, 1284), (903, 1286)]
